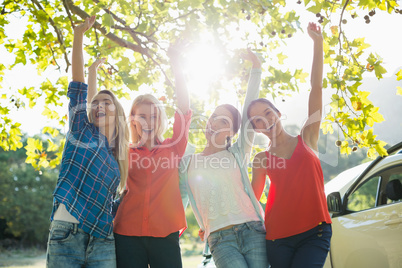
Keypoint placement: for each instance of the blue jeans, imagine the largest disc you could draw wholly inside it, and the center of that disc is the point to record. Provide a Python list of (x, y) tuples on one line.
[(308, 249), (241, 246), (69, 246)]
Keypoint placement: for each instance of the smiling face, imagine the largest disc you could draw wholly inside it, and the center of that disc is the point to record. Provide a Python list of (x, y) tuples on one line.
[(219, 126), (145, 120), (103, 110), (265, 119)]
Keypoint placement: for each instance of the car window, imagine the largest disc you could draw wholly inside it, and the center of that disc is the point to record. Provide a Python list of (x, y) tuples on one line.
[(396, 176), (365, 196)]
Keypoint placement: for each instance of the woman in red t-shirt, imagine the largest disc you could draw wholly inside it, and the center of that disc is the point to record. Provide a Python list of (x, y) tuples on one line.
[(149, 218), (296, 217)]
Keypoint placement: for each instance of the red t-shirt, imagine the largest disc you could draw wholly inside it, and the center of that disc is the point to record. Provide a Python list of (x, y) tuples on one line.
[(296, 200), (152, 205)]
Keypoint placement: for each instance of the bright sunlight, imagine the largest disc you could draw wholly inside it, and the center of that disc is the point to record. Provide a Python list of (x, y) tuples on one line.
[(203, 64)]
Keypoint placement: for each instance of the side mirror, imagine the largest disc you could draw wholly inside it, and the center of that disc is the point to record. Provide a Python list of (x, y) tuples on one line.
[(334, 202)]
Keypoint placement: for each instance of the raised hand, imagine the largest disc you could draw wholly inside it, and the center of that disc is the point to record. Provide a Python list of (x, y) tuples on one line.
[(175, 51), (95, 65), (311, 128), (250, 56), (83, 27), (314, 31), (175, 55), (92, 70), (78, 57)]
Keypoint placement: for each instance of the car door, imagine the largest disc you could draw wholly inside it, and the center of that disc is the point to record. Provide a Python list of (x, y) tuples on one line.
[(369, 234)]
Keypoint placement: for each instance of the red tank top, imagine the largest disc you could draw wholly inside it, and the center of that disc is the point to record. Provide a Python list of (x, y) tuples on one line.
[(296, 200)]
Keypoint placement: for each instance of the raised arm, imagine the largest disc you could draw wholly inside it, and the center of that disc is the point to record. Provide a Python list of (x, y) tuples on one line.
[(246, 137), (311, 129), (78, 57), (92, 84), (183, 99), (259, 174)]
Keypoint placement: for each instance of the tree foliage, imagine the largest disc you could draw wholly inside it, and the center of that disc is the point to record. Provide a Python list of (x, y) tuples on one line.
[(26, 197), (134, 36)]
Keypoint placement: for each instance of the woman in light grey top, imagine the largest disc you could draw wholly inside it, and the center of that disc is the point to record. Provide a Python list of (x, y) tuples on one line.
[(217, 185)]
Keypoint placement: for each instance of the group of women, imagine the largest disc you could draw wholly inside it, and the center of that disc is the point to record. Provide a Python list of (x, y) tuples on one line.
[(157, 181)]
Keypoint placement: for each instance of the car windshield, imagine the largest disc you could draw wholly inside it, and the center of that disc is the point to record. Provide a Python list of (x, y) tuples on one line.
[(341, 182)]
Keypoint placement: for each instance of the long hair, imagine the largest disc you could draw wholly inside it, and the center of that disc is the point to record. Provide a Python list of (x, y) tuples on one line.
[(120, 138), (161, 117), (236, 121), (261, 100)]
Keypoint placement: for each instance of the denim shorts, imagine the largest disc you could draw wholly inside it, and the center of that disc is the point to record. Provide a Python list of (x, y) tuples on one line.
[(241, 246), (70, 246)]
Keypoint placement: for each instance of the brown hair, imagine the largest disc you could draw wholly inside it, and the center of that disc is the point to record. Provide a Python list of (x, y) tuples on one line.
[(236, 120)]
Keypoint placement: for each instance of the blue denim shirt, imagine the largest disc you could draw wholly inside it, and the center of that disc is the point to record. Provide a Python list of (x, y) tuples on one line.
[(89, 173), (241, 151)]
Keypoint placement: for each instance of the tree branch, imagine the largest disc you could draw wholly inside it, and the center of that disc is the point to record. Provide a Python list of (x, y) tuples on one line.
[(58, 33), (121, 42), (122, 22), (340, 30), (66, 7), (350, 49)]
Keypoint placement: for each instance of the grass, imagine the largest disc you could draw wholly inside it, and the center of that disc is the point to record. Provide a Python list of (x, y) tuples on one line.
[(36, 258)]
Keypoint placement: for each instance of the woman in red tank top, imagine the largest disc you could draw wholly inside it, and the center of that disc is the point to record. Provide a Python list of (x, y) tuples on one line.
[(297, 220)]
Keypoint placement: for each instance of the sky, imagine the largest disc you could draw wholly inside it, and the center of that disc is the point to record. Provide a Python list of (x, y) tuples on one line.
[(382, 33)]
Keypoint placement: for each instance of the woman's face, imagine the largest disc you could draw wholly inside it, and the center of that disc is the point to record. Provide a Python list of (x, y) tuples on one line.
[(265, 119), (145, 120), (103, 111), (219, 126)]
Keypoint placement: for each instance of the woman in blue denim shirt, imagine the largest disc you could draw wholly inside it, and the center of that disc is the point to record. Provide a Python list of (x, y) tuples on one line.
[(94, 159)]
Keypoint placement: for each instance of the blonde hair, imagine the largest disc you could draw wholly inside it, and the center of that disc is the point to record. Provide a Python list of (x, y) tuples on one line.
[(161, 117), (120, 138)]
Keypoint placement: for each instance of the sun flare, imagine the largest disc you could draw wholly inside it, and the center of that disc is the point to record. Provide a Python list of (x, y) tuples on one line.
[(203, 64)]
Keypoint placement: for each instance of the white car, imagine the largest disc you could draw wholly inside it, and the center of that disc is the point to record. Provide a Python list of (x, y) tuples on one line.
[(366, 207)]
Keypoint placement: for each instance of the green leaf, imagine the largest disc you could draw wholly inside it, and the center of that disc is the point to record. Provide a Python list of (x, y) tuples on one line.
[(399, 91), (50, 114), (30, 94), (33, 145), (360, 44), (107, 21), (301, 76), (4, 110), (345, 149), (327, 128), (399, 75), (315, 9), (369, 4), (52, 131), (379, 71), (379, 147), (372, 153), (377, 117), (52, 147), (281, 58)]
